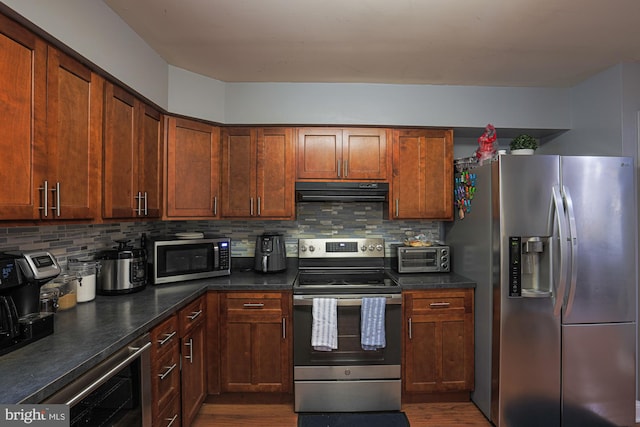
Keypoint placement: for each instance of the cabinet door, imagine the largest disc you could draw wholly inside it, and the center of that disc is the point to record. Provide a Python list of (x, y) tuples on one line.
[(74, 118), (194, 388), (150, 162), (422, 181), (23, 59), (239, 172), (319, 153), (274, 168), (364, 154), (120, 182), (193, 162)]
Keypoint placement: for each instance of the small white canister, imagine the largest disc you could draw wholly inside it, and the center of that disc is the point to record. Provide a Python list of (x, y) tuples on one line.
[(85, 271)]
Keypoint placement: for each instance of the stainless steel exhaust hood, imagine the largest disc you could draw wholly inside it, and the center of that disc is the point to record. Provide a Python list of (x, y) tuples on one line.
[(342, 191)]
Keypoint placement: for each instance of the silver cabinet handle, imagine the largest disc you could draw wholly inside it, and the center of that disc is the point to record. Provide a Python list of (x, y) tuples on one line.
[(189, 344), (410, 331), (194, 315), (258, 206), (253, 305), (251, 206), (171, 420), (56, 190), (138, 198), (45, 206), (346, 168), (168, 371), (167, 338), (146, 212), (439, 304), (215, 205), (284, 328), (338, 168), (397, 208)]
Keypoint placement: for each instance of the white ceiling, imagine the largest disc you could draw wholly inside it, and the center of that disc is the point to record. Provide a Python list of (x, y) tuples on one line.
[(548, 43)]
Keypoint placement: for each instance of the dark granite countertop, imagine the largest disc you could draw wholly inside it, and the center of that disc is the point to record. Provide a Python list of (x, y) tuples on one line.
[(92, 331), (416, 281)]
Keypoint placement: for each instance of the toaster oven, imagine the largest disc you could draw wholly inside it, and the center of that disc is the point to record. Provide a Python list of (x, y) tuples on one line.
[(423, 259)]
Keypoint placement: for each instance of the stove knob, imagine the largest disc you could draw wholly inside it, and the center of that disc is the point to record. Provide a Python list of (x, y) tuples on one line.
[(379, 247), (363, 248), (312, 248), (371, 247), (303, 248)]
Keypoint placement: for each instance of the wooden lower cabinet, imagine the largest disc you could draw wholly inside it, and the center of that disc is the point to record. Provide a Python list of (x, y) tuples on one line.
[(178, 366), (438, 343), (165, 373), (256, 344)]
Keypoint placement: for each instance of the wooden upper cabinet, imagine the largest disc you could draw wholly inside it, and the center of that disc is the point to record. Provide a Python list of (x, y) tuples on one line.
[(257, 170), (150, 171), (50, 131), (422, 181), (192, 169), (132, 156), (338, 154), (120, 154), (74, 124), (23, 59)]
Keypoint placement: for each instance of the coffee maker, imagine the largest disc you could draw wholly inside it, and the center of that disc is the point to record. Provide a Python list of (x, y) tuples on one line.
[(21, 276), (270, 255)]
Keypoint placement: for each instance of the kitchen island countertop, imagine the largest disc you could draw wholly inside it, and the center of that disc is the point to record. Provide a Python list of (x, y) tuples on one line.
[(92, 331)]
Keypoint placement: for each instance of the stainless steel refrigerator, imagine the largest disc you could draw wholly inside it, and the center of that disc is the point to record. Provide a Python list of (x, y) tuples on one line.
[(551, 244)]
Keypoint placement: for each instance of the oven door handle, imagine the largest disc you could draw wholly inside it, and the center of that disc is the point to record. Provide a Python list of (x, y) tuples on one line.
[(347, 300)]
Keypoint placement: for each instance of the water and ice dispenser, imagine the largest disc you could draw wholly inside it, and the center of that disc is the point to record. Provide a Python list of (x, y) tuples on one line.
[(530, 267)]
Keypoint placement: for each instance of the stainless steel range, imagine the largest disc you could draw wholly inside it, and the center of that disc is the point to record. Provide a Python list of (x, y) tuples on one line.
[(347, 323)]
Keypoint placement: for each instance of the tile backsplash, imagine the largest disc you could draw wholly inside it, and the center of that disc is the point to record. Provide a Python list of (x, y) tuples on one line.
[(313, 220)]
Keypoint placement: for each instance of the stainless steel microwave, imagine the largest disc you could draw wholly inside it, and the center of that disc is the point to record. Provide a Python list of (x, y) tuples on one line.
[(423, 259), (173, 259)]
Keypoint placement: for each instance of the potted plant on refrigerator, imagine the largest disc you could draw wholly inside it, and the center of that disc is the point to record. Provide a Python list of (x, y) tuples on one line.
[(523, 144)]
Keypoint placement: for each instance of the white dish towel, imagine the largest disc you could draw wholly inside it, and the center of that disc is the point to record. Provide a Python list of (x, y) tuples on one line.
[(372, 333), (324, 325)]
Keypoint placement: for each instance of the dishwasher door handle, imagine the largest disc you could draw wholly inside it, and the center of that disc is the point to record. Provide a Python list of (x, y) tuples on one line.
[(137, 351)]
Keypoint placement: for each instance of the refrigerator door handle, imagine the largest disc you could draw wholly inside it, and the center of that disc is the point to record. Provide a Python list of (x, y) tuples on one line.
[(573, 243), (558, 208)]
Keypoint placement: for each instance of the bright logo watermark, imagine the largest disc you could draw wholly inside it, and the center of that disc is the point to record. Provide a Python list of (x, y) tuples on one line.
[(34, 415)]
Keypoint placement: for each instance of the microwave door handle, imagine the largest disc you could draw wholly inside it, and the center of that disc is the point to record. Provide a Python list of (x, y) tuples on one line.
[(216, 257), (573, 243)]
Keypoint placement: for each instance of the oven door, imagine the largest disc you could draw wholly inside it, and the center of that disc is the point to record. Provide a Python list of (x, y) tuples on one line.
[(349, 351)]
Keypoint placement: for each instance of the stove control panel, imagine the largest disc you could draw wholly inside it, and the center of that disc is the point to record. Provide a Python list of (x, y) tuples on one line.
[(341, 248)]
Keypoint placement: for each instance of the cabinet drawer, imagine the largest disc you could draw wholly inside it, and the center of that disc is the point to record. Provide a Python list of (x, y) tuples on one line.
[(252, 307), (440, 302), (192, 315), (169, 416), (247, 301), (165, 380), (165, 336)]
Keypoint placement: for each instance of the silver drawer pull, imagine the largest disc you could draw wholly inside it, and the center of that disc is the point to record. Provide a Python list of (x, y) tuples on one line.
[(194, 315), (171, 420), (253, 305), (168, 371), (167, 338), (439, 304)]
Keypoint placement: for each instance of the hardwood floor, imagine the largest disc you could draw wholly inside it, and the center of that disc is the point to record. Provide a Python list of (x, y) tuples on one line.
[(282, 415)]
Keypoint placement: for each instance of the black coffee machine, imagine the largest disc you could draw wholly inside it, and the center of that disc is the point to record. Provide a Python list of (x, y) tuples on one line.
[(270, 255), (21, 276)]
